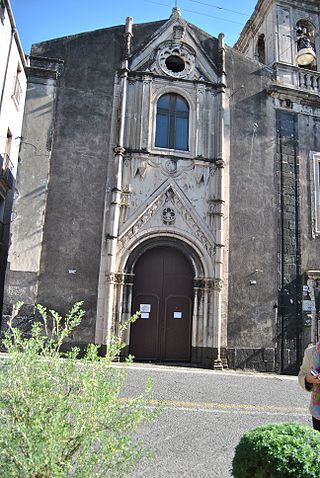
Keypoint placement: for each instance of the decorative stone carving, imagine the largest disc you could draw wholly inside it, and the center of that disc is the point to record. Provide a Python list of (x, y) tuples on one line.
[(218, 284), (178, 32), (171, 166), (139, 167), (125, 202), (110, 278), (220, 162), (197, 230), (141, 222), (168, 216), (176, 13), (215, 207), (212, 170), (176, 60), (169, 196), (200, 175), (119, 150), (204, 284)]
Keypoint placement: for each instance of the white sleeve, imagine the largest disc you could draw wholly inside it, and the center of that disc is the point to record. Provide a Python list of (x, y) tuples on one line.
[(305, 367)]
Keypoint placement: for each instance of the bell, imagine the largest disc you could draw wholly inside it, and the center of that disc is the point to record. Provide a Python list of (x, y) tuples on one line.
[(305, 56)]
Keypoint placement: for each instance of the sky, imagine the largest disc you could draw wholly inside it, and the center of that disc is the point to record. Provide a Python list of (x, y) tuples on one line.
[(39, 20)]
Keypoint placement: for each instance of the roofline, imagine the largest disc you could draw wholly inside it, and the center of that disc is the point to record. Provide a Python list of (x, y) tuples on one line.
[(261, 7)]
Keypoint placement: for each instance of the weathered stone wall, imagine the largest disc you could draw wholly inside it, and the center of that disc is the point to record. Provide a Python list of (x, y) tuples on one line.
[(308, 142), (253, 277), (66, 176), (31, 187), (63, 174)]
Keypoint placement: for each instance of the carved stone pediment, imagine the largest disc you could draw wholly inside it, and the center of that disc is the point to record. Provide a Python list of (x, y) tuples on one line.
[(167, 208), (174, 51)]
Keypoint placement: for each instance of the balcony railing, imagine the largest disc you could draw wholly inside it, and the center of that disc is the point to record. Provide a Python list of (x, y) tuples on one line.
[(6, 171), (293, 76), (309, 80)]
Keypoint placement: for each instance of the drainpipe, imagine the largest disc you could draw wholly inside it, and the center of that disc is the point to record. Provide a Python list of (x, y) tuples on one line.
[(219, 200), (119, 150), (14, 35)]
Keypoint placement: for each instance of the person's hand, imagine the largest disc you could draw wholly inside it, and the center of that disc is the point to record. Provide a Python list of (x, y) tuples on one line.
[(310, 378)]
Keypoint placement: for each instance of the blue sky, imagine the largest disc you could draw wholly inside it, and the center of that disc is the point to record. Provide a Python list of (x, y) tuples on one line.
[(39, 20)]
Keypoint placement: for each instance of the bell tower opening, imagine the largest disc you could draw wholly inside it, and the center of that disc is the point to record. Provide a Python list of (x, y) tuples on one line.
[(261, 49), (305, 39)]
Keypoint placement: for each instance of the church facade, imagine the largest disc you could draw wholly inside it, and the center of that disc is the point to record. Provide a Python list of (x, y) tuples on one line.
[(162, 171)]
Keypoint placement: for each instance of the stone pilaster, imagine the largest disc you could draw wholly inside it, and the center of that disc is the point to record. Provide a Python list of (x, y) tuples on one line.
[(289, 322)]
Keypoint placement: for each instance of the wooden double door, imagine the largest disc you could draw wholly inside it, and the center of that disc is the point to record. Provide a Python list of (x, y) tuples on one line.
[(163, 293)]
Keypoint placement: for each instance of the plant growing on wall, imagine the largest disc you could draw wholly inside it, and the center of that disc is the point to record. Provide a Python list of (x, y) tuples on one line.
[(280, 450), (64, 417)]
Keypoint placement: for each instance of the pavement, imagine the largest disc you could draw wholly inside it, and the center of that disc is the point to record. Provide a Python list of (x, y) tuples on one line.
[(206, 414)]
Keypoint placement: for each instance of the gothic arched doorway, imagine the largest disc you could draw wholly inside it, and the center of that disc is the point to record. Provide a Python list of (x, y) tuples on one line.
[(163, 293)]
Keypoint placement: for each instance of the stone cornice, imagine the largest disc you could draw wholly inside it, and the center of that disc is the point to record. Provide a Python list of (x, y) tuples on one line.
[(307, 98), (253, 23), (144, 75)]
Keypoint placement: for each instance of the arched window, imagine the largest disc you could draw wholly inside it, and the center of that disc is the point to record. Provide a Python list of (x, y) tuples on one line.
[(172, 122)]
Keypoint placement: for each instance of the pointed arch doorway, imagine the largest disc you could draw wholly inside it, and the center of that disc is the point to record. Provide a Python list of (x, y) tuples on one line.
[(163, 293)]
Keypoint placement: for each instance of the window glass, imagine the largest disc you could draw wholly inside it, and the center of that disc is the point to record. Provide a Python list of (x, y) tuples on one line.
[(162, 130), (181, 104), (182, 133), (164, 102), (172, 122)]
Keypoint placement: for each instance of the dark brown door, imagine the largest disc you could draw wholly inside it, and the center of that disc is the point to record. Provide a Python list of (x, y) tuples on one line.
[(163, 293)]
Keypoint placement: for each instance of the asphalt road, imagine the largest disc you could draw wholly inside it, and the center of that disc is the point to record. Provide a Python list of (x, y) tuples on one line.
[(206, 413)]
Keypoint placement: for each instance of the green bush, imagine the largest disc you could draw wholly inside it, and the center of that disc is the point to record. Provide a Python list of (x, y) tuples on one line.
[(64, 417), (281, 450)]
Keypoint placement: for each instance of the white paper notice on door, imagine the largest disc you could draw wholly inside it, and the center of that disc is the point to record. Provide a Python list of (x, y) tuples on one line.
[(177, 315), (145, 307), (144, 315)]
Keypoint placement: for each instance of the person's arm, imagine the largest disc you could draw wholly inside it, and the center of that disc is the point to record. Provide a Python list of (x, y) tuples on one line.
[(306, 380)]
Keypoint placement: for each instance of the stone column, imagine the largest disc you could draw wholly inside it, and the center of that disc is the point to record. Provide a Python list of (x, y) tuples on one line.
[(219, 204)]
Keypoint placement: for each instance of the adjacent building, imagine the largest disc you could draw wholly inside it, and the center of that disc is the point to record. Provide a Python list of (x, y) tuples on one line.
[(13, 85), (165, 172)]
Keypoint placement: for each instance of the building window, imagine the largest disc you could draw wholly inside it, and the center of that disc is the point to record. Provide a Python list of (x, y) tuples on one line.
[(17, 90), (172, 124)]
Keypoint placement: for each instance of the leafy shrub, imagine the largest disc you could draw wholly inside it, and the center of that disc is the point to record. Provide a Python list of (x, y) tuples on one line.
[(64, 417), (281, 450)]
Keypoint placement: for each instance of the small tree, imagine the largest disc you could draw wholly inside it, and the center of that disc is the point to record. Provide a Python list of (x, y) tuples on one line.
[(279, 450), (64, 417)]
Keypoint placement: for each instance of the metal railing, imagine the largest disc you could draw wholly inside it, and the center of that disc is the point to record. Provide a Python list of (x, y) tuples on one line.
[(6, 169)]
